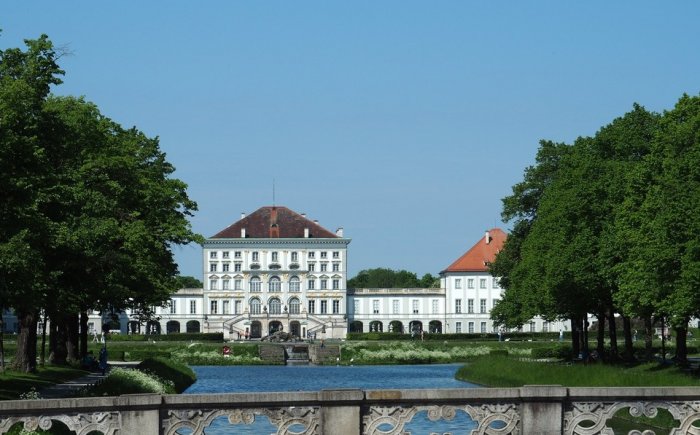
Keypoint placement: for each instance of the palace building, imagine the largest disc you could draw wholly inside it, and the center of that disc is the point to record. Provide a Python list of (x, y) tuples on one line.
[(277, 270)]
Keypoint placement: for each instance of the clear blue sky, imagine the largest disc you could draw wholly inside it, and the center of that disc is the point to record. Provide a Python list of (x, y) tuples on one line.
[(404, 122)]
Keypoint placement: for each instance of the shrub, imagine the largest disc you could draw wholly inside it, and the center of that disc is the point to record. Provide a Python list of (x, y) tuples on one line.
[(511, 336), (181, 375), (213, 336), (560, 351), (129, 381)]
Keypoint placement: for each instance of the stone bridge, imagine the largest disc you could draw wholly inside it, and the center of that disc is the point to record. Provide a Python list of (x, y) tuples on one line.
[(540, 410)]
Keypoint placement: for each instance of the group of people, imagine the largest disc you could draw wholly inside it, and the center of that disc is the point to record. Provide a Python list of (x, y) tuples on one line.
[(100, 364)]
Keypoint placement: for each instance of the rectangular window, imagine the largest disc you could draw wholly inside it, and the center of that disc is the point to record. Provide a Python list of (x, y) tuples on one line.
[(173, 306), (336, 254), (193, 307), (458, 327), (482, 283), (471, 327), (356, 306), (458, 283), (275, 256), (545, 326), (214, 307), (237, 284), (532, 326), (395, 306), (255, 285), (213, 284), (324, 267), (324, 306), (324, 284), (311, 284), (415, 306), (483, 327), (212, 267), (237, 307), (435, 306), (237, 254), (336, 284), (225, 284), (225, 307), (458, 306), (496, 284), (312, 254), (256, 256), (224, 254), (336, 267), (470, 306), (225, 267), (324, 254), (237, 267), (336, 307), (312, 267), (470, 283), (294, 285), (312, 307), (295, 257), (375, 306), (212, 254), (482, 306)]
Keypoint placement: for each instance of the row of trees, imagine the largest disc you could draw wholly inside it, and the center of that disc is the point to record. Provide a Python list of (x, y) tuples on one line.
[(388, 278), (609, 225), (89, 209)]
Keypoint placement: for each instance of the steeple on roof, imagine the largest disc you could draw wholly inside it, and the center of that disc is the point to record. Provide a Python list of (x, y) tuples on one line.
[(481, 254), (274, 222)]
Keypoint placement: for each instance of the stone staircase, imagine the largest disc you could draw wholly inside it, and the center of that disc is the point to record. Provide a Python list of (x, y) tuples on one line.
[(272, 353)]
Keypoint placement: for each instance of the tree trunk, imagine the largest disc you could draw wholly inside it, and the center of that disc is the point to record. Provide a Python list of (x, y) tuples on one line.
[(42, 359), (83, 334), (614, 353), (584, 337), (663, 339), (682, 345), (2, 343), (600, 345), (72, 337), (53, 338), (60, 352), (648, 338), (629, 343), (25, 357), (575, 339)]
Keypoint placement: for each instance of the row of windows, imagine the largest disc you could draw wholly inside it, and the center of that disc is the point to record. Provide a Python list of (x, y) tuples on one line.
[(274, 255), (471, 283), (396, 306), (323, 307), (470, 327), (237, 267), (275, 284), (470, 306)]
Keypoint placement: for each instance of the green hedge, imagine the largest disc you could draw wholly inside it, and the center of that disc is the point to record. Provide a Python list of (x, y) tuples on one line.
[(511, 336), (181, 375), (214, 336)]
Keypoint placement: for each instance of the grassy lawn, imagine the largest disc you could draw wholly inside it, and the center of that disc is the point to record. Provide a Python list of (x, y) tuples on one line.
[(12, 384)]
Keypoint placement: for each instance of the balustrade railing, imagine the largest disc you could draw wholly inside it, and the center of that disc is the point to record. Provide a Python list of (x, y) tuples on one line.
[(527, 410)]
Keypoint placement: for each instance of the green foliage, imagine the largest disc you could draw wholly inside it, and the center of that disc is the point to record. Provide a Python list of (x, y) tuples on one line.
[(209, 336), (129, 381), (13, 383), (187, 282), (559, 352), (388, 278), (510, 336), (181, 375), (496, 371)]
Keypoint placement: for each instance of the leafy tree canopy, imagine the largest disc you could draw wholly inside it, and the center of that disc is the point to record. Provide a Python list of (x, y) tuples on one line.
[(388, 278)]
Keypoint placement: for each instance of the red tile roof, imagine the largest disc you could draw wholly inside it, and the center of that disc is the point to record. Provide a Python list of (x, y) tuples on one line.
[(482, 253), (274, 222)]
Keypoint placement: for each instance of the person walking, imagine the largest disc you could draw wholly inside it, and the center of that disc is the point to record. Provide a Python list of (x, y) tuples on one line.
[(103, 360)]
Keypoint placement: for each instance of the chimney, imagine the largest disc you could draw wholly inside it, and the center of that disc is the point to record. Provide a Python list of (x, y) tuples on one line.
[(487, 237), (339, 232), (306, 233), (242, 233), (242, 215)]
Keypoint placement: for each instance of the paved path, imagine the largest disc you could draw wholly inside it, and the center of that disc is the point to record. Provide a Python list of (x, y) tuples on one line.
[(72, 387)]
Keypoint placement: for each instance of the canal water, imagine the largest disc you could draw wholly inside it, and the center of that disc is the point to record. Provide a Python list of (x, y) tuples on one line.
[(235, 379)]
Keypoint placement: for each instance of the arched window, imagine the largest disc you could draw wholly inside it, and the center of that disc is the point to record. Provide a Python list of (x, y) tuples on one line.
[(294, 306), (255, 284), (275, 306), (275, 285), (255, 306), (294, 284)]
